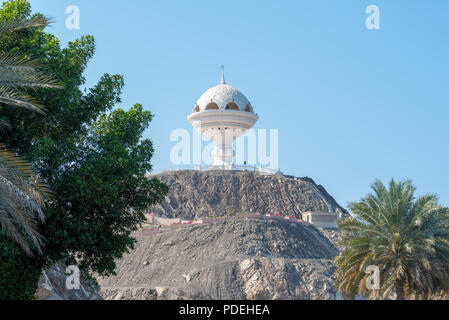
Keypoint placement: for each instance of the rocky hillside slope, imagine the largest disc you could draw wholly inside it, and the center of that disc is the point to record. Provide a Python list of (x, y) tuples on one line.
[(230, 259), (196, 194)]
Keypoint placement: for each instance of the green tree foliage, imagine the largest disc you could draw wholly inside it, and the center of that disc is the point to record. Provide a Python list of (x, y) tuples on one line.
[(19, 273), (407, 238), (102, 192), (93, 158)]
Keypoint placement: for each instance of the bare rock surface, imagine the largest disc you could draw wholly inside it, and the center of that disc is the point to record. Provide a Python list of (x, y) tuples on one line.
[(231, 259), (52, 286), (196, 194), (333, 235)]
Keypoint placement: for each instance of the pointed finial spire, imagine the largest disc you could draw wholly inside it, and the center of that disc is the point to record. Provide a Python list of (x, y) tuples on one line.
[(222, 76)]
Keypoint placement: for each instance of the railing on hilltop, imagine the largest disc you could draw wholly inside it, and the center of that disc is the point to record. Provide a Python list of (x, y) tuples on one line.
[(261, 170)]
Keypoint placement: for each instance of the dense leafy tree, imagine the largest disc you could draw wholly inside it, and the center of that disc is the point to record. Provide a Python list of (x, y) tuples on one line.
[(19, 273), (406, 238), (93, 158), (102, 191)]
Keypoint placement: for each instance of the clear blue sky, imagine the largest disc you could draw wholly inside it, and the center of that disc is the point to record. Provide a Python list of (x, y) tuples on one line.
[(351, 104)]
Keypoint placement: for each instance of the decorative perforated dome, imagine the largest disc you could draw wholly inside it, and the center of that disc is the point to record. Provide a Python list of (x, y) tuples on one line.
[(223, 97)]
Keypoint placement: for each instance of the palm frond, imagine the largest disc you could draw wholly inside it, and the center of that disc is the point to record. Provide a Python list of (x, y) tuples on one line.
[(39, 21), (10, 97), (19, 73), (22, 198)]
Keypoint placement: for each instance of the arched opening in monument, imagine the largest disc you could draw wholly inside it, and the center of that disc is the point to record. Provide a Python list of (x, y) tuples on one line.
[(248, 108), (212, 106), (232, 106)]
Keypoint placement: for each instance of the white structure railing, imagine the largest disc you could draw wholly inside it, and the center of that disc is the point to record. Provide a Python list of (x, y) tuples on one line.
[(261, 170)]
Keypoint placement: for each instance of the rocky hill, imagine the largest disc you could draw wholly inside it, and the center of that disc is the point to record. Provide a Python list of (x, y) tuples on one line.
[(196, 194), (230, 259), (234, 257)]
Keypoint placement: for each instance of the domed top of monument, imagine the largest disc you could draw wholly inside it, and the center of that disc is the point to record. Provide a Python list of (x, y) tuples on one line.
[(223, 97)]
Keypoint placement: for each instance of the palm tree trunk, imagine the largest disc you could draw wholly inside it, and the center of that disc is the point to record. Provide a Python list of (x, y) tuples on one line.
[(399, 289)]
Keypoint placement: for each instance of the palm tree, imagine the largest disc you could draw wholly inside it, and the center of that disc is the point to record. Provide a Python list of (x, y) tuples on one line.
[(22, 193), (406, 238)]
